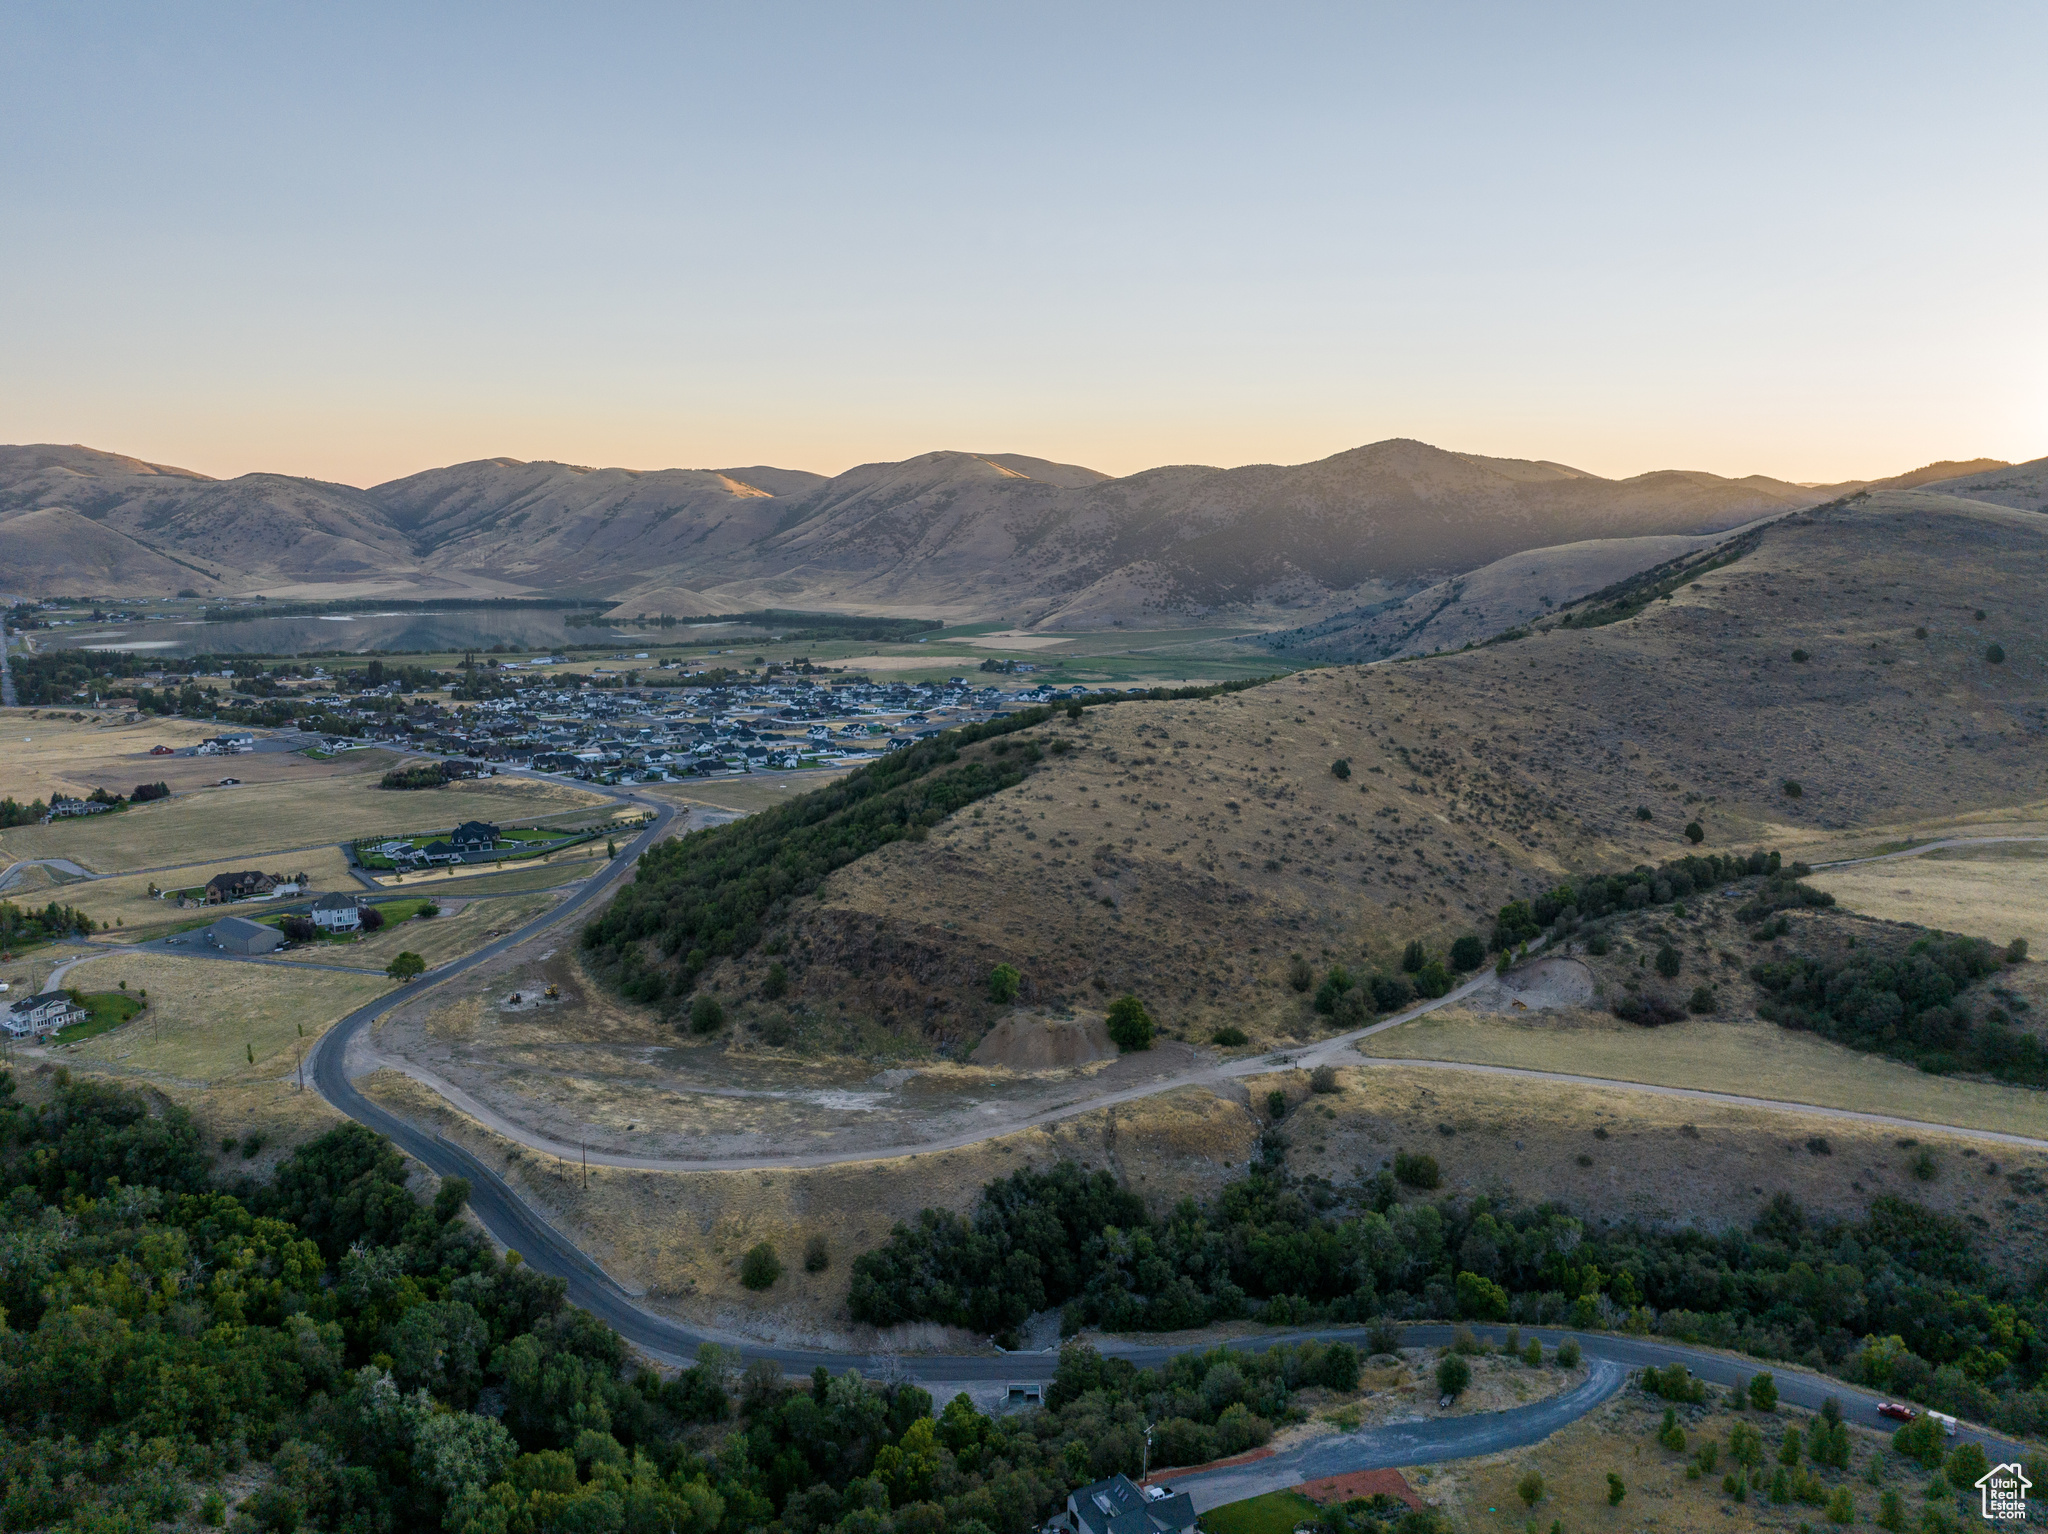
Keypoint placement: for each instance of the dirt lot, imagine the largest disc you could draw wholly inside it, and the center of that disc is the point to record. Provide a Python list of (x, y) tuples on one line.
[(680, 1236), (1612, 1155), (1621, 1438)]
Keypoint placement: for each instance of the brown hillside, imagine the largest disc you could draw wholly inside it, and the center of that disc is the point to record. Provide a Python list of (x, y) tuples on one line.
[(1185, 850)]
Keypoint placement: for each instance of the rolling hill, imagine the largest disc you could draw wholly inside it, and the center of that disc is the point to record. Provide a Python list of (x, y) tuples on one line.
[(959, 535), (1185, 850)]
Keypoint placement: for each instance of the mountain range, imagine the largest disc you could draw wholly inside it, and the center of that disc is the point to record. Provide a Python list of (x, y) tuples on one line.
[(958, 535)]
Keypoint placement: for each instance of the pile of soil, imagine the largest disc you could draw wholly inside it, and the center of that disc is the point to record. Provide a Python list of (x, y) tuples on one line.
[(1537, 987), (1023, 1042)]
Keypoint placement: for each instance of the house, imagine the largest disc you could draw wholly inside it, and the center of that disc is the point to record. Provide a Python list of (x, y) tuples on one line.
[(475, 836), (61, 807), (1119, 1506), (222, 888), (238, 934), (35, 1016), (337, 913)]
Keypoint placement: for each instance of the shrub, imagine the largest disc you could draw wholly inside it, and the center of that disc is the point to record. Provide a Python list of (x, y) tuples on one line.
[(1702, 1002), (1332, 990), (1299, 976), (1616, 1489), (1671, 1435), (1467, 953), (1799, 657), (1925, 1167), (427, 911), (776, 986), (1668, 962), (1763, 1392), (1385, 1337), (1229, 1036), (1966, 1464), (1130, 1025), (817, 1255), (1341, 769), (1276, 1104), (1841, 1506), (1674, 1383), (1003, 982), (1433, 980), (1453, 1374), (1568, 1353), (1481, 1298), (1891, 1512), (1646, 1009), (760, 1267), (1643, 812), (1995, 654), (1533, 1355), (1390, 993), (1530, 1488), (2016, 951), (1695, 832), (1417, 1169), (706, 1015), (299, 929), (1323, 1080), (1414, 956), (1792, 789)]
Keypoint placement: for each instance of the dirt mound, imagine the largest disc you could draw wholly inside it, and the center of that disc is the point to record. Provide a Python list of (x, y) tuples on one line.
[(1537, 987), (1026, 1043)]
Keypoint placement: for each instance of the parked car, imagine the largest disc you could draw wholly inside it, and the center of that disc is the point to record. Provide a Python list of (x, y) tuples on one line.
[(1895, 1411)]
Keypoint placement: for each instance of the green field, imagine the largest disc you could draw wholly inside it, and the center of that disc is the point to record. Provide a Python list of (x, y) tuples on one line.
[(109, 1009), (1277, 1512)]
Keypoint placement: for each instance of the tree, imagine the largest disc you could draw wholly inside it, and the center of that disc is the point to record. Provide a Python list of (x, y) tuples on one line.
[(407, 966), (1695, 832), (760, 1267), (1453, 1374), (1616, 1489), (1003, 982), (817, 1255), (1414, 956), (706, 1015), (1841, 1506), (1467, 953), (1341, 769), (1763, 1392), (1433, 980), (371, 918), (1417, 1169), (1130, 1026), (776, 986), (1530, 1488), (1299, 976), (1276, 1105), (1668, 962)]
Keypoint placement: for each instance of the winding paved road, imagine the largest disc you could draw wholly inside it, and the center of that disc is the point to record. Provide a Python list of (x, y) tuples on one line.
[(522, 1229)]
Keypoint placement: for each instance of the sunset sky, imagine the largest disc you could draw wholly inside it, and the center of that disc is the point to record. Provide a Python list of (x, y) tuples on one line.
[(355, 241)]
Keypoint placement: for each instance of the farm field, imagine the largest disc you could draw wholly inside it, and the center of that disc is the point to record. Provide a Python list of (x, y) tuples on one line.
[(1750, 1058), (436, 940), (255, 819), (205, 1016), (50, 752)]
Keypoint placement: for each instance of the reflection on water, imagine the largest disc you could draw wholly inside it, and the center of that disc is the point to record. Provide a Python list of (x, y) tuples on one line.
[(519, 628)]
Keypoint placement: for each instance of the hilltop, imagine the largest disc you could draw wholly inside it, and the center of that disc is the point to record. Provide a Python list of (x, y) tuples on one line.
[(954, 534), (1824, 672)]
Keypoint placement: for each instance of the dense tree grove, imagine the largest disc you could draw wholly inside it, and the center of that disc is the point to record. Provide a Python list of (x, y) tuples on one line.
[(1910, 1006), (19, 927), (1899, 1300), (360, 1360)]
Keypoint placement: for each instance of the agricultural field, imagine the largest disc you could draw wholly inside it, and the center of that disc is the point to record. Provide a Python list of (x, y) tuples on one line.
[(206, 1017), (48, 751)]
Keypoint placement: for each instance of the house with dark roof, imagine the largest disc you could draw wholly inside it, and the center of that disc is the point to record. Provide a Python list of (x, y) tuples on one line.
[(240, 886), (1120, 1506), (34, 1016), (475, 836), (337, 913)]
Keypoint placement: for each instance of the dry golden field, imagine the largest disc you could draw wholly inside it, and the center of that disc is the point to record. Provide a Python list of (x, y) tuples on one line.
[(436, 940), (125, 903), (1621, 1437), (48, 751), (337, 802), (205, 1016), (1995, 892)]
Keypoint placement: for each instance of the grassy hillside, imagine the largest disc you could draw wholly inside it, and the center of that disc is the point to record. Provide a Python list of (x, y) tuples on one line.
[(1187, 850)]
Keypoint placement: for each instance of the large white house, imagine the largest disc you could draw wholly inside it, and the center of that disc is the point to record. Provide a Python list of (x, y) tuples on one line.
[(337, 913), (34, 1016)]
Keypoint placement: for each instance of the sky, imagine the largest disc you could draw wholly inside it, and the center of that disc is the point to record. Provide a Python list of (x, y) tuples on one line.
[(357, 241)]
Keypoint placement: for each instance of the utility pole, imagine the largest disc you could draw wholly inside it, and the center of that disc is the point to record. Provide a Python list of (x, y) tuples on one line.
[(585, 1147)]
